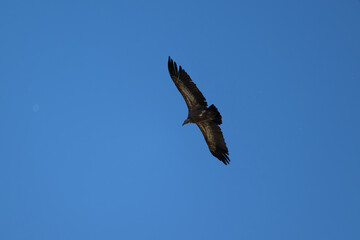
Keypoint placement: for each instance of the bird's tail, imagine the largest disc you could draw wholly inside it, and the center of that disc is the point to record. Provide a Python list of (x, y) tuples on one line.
[(217, 117)]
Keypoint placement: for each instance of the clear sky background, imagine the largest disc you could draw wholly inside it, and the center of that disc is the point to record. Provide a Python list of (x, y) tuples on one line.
[(91, 142)]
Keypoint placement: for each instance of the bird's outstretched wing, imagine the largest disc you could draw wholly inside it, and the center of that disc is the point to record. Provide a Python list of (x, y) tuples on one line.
[(215, 140), (192, 95)]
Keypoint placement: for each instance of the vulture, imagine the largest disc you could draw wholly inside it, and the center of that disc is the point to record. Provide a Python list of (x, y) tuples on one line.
[(206, 118)]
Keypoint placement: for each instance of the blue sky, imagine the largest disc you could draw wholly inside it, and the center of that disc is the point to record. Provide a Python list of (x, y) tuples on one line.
[(91, 142)]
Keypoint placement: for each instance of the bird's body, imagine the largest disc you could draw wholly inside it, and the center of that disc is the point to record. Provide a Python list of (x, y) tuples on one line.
[(203, 114), (206, 118)]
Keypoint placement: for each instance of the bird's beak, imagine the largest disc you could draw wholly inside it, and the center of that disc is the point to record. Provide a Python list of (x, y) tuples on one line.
[(186, 122)]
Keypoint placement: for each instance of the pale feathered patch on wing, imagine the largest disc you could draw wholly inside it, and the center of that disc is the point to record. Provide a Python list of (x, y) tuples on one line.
[(192, 95), (215, 140)]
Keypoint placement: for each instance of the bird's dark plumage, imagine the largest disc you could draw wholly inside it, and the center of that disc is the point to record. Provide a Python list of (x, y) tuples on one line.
[(208, 119)]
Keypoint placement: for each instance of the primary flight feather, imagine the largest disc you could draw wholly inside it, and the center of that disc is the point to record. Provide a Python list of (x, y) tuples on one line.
[(206, 118)]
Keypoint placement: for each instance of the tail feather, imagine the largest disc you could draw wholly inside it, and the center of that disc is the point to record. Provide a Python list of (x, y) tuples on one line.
[(217, 118)]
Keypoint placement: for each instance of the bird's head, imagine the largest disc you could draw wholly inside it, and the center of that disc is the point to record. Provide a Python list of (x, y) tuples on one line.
[(186, 121)]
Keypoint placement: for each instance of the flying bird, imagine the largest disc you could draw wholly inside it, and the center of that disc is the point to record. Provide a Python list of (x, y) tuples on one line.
[(206, 118)]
